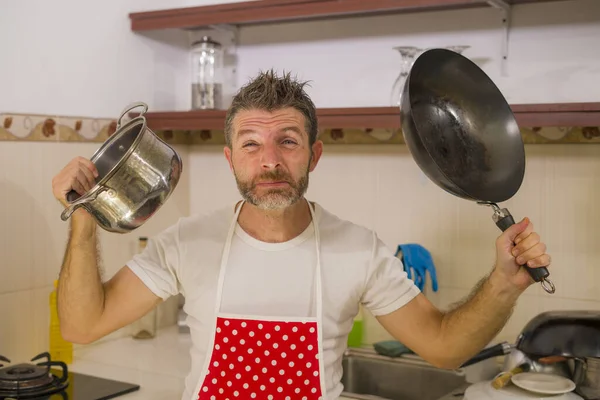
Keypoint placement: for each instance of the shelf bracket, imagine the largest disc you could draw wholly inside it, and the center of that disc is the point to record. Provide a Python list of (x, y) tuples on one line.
[(232, 30), (506, 10), (226, 28)]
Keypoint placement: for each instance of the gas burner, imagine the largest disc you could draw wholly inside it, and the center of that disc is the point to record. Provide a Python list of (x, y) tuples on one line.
[(32, 381)]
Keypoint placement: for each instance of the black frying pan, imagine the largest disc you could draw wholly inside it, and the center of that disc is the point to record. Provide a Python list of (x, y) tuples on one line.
[(463, 135)]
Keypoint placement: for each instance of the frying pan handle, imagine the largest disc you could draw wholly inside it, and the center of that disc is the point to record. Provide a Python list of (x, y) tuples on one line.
[(503, 220), (499, 349)]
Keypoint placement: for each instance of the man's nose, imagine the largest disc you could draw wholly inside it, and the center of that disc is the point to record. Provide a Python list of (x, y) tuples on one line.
[(271, 156)]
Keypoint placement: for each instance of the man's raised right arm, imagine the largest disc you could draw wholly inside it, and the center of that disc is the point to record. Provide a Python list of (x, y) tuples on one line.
[(89, 309)]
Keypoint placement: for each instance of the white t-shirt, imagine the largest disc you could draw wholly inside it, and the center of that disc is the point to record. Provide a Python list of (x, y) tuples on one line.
[(274, 279)]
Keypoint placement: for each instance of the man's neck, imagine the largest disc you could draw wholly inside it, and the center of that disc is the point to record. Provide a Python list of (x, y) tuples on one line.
[(275, 226)]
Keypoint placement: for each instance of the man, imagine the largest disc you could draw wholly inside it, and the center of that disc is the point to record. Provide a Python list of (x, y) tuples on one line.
[(272, 283)]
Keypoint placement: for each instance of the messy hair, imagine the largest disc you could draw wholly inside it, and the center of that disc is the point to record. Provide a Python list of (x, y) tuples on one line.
[(270, 92)]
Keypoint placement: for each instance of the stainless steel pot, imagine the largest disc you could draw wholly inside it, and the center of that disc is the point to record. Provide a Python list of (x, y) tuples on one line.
[(586, 375), (137, 172)]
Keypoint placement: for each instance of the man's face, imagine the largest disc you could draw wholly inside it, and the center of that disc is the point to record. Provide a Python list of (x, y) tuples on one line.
[(271, 157)]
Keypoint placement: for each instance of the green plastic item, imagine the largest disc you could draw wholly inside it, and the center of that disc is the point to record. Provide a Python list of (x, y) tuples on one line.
[(391, 348), (355, 337)]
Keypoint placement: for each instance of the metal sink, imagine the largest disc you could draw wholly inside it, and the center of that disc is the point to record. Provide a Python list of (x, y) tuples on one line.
[(367, 375)]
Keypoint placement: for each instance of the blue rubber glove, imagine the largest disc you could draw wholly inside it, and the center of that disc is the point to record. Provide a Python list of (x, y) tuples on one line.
[(417, 259)]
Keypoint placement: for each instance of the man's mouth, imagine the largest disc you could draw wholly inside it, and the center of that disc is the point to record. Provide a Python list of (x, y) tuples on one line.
[(272, 184)]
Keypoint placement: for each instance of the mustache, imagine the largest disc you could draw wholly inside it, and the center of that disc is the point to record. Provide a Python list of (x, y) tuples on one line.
[(274, 176)]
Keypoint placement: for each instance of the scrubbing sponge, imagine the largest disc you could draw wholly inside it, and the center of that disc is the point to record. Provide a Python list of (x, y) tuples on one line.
[(391, 348)]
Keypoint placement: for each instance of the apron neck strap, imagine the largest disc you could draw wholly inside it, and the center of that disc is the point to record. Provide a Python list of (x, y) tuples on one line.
[(227, 250)]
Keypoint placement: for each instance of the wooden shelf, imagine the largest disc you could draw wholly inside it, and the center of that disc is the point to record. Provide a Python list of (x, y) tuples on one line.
[(528, 115), (272, 11), (329, 118), (564, 123)]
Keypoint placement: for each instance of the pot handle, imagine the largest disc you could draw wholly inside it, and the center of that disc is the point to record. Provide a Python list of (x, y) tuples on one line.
[(130, 107), (86, 198), (579, 370)]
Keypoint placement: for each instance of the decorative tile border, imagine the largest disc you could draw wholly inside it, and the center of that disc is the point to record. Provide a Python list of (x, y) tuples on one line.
[(51, 128), (545, 135), (47, 128)]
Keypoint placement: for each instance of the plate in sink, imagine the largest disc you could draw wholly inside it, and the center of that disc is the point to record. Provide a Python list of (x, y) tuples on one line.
[(485, 391), (543, 383)]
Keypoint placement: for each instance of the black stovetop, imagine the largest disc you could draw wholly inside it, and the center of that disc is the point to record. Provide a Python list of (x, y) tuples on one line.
[(51, 380)]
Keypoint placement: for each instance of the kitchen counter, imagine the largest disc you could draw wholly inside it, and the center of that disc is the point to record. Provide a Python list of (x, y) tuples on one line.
[(158, 365), (456, 394)]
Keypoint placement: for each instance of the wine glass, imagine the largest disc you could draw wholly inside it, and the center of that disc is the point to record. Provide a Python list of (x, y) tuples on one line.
[(458, 49), (408, 54)]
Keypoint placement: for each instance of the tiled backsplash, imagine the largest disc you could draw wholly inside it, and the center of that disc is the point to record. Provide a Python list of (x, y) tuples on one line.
[(376, 186)]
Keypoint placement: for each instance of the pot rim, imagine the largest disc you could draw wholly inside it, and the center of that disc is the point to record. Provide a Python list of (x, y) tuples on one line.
[(98, 153), (120, 132)]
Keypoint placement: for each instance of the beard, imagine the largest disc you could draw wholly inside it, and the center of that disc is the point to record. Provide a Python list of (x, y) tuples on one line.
[(276, 198)]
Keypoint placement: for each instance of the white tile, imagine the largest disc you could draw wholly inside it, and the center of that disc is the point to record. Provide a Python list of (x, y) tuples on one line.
[(551, 303), (24, 331), (40, 314), (212, 184), (17, 212), (344, 183), (18, 336)]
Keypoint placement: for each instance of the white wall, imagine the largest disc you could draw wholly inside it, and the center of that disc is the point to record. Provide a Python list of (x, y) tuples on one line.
[(80, 58), (75, 59), (554, 53)]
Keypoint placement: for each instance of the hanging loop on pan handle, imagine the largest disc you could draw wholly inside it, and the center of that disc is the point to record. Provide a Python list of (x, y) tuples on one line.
[(503, 220)]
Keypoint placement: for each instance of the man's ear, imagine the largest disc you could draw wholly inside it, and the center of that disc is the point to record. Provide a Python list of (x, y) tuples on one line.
[(227, 152), (317, 151)]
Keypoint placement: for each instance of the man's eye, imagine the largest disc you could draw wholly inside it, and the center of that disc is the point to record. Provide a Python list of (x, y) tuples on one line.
[(289, 141), (249, 144)]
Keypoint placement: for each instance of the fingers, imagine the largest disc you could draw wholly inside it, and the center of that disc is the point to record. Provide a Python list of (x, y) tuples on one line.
[(535, 256), (526, 244), (525, 233), (541, 261), (90, 165), (78, 187), (88, 175), (86, 172), (528, 249), (519, 230), (79, 175), (82, 181)]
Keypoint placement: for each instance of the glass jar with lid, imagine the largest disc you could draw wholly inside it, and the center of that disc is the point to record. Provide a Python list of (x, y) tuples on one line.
[(207, 74)]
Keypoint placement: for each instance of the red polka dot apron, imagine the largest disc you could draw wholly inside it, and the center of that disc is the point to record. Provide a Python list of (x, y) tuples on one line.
[(258, 357)]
